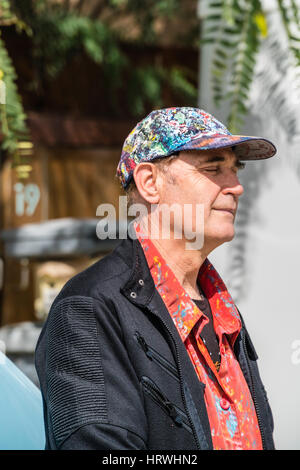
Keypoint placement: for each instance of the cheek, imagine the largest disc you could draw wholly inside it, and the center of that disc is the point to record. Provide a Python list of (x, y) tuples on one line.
[(191, 191), (170, 194), (207, 195), (173, 192)]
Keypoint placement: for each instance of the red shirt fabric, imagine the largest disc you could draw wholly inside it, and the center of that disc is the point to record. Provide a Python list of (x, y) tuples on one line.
[(229, 404)]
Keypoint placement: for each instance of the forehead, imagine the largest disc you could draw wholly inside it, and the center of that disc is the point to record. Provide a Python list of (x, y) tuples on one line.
[(196, 157)]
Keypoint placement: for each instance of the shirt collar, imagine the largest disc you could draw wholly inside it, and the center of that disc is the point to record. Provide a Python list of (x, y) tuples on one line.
[(225, 314)]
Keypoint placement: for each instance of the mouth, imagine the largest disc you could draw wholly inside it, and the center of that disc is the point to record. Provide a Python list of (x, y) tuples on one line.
[(231, 211)]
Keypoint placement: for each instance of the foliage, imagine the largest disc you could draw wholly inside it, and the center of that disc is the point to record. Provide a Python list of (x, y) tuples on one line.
[(12, 113), (62, 29), (236, 28), (102, 41)]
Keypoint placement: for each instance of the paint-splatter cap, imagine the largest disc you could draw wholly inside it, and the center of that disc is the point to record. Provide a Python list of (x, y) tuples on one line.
[(170, 130)]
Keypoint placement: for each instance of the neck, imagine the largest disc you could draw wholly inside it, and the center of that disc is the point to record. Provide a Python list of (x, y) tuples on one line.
[(185, 264)]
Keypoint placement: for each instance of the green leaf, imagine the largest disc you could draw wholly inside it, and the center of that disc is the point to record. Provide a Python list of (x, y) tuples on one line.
[(214, 17), (229, 44), (221, 53), (216, 5), (219, 64), (93, 50)]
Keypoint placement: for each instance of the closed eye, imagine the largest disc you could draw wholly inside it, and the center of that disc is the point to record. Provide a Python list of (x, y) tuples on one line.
[(237, 166), (212, 170)]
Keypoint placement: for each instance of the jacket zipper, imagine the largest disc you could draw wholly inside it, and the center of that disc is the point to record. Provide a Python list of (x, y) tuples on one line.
[(172, 410), (153, 355), (180, 375), (253, 392)]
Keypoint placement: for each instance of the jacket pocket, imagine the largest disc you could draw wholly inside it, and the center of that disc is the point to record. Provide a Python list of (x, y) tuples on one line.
[(176, 414), (156, 357)]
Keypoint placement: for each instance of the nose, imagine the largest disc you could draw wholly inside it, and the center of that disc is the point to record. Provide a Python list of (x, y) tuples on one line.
[(232, 185)]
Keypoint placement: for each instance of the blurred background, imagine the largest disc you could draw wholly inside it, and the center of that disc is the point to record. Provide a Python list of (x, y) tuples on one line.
[(75, 77)]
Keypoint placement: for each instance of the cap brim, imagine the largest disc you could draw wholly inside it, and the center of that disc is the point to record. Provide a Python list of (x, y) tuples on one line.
[(245, 147)]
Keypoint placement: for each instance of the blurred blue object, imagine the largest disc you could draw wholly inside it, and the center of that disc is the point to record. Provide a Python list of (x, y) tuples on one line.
[(21, 410)]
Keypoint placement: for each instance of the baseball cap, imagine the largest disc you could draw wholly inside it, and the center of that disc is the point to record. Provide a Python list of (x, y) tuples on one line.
[(170, 130)]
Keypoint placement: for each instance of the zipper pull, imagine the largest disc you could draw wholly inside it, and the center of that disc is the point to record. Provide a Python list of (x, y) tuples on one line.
[(173, 413), (144, 346)]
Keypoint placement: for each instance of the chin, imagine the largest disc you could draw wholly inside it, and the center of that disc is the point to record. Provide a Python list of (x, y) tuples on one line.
[(223, 237), (228, 235)]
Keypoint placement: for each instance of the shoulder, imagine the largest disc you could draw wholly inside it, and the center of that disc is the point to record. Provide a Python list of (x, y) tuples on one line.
[(89, 295), (98, 280)]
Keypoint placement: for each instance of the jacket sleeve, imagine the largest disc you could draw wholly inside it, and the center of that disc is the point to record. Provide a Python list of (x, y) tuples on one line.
[(91, 394)]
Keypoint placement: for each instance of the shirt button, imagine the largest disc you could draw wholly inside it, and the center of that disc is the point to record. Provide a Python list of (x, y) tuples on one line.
[(141, 282), (225, 405), (133, 295)]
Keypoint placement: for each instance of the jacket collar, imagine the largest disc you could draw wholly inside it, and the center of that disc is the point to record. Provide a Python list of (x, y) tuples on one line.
[(139, 287)]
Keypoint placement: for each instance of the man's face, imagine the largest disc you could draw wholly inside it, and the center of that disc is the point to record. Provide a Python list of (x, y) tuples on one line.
[(207, 177)]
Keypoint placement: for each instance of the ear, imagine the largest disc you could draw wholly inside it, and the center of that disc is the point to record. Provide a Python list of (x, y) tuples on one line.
[(147, 181)]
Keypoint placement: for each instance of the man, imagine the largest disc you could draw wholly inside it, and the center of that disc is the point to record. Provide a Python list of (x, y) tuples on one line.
[(146, 348)]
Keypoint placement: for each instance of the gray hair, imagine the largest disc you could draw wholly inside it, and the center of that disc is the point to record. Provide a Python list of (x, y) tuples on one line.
[(133, 195)]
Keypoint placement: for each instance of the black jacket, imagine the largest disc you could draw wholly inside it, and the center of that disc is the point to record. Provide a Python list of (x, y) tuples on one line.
[(114, 372)]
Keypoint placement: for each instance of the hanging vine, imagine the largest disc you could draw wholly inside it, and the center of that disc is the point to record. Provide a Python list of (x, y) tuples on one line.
[(236, 29)]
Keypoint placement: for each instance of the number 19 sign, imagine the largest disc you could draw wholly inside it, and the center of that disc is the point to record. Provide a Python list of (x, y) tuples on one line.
[(27, 198)]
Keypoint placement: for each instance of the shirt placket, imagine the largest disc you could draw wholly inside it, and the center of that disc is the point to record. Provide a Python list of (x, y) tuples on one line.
[(226, 407)]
